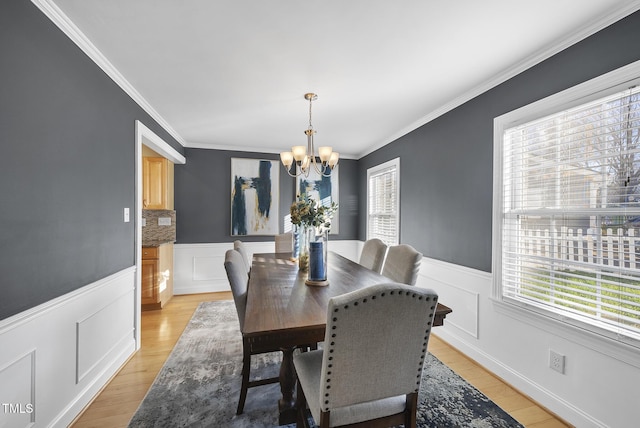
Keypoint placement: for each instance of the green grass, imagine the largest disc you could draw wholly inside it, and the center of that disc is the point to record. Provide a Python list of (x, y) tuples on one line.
[(578, 289)]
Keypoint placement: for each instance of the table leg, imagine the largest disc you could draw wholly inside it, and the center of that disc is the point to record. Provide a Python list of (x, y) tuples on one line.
[(286, 404)]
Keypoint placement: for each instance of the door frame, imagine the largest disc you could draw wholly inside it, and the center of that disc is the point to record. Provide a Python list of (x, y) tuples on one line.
[(145, 136)]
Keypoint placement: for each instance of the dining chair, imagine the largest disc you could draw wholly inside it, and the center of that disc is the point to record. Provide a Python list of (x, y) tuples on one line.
[(284, 243), (372, 256), (240, 247), (361, 376), (402, 264), (239, 279)]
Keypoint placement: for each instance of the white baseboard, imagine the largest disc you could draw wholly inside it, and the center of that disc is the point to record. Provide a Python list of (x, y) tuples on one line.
[(55, 357), (518, 351)]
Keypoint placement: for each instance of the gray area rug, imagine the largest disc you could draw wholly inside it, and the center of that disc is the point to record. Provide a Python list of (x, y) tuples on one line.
[(199, 384)]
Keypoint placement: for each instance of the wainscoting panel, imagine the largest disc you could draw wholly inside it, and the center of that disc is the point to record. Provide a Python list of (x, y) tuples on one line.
[(17, 392), (199, 268), (205, 268), (457, 285), (56, 357), (102, 333)]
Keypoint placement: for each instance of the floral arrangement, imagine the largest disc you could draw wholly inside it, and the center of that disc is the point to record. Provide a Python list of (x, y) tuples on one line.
[(307, 212)]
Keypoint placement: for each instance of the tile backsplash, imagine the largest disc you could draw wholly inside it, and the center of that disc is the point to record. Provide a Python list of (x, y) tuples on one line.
[(159, 226)]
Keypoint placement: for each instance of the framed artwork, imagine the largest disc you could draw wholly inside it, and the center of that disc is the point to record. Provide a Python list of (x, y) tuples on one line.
[(255, 185), (322, 189)]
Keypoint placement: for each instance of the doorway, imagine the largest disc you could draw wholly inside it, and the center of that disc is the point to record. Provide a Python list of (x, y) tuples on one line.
[(148, 138)]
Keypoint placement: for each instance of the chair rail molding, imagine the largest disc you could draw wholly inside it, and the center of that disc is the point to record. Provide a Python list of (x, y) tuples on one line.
[(77, 342), (199, 268)]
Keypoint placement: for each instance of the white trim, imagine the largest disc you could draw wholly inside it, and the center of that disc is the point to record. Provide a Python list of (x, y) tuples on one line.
[(144, 135), (248, 149), (199, 268), (521, 360), (66, 365), (55, 304), (375, 169), (604, 21), (626, 352), (593, 337), (55, 14), (150, 139), (536, 391)]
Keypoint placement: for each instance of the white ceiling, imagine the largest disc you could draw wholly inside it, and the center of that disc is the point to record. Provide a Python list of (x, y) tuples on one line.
[(231, 74)]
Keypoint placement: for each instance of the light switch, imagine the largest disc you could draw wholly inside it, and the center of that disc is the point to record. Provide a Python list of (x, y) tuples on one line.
[(126, 215), (164, 221)]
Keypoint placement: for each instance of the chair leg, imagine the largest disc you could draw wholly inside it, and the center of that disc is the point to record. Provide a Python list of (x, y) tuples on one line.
[(325, 419), (410, 410), (246, 368), (301, 405)]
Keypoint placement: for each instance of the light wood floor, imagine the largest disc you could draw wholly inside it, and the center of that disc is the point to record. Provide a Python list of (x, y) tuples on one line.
[(119, 399)]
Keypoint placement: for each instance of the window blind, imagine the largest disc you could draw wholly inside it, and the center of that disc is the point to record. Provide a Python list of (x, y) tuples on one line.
[(382, 204), (571, 213)]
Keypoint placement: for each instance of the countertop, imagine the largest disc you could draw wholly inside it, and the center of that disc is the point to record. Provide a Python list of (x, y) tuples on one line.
[(155, 243)]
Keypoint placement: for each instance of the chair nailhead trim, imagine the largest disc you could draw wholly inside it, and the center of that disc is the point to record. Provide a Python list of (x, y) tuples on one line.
[(330, 350)]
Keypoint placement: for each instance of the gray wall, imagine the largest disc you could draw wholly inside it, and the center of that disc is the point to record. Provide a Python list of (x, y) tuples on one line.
[(203, 197), (67, 134), (67, 138), (446, 166)]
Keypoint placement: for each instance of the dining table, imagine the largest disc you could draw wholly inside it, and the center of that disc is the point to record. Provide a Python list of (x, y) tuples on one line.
[(284, 312)]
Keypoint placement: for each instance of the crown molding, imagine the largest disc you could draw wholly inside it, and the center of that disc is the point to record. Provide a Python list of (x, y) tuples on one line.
[(251, 149), (543, 54), (58, 17), (55, 14)]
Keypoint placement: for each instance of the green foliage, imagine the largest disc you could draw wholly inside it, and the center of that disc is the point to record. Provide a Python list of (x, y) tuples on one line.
[(307, 212)]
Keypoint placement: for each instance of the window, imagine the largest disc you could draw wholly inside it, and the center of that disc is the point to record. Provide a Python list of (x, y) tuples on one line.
[(383, 202), (567, 210)]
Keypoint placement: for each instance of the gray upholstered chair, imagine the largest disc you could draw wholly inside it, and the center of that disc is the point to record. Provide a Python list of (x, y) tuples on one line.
[(284, 243), (361, 375), (402, 264), (242, 249), (372, 256), (238, 279)]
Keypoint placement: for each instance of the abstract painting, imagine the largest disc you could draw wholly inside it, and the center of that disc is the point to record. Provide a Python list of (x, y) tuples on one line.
[(255, 188), (322, 189)]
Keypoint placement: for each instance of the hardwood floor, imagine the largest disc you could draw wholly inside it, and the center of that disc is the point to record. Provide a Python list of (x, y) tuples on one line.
[(119, 399)]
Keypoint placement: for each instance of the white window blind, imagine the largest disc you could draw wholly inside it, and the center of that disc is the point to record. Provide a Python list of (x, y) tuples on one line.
[(383, 202), (571, 213)]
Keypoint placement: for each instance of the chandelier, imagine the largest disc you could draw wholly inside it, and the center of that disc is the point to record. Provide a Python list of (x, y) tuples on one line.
[(302, 158)]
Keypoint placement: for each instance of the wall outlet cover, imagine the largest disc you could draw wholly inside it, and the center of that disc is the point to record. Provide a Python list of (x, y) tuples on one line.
[(164, 221), (556, 361)]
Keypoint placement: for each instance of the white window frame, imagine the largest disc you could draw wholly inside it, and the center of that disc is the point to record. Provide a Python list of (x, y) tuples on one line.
[(620, 346), (393, 163)]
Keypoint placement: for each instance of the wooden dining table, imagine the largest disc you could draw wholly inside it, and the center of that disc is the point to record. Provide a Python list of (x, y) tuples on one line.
[(283, 312)]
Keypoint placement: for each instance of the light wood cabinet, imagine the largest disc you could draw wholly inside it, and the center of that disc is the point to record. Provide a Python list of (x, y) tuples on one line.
[(157, 183), (157, 276)]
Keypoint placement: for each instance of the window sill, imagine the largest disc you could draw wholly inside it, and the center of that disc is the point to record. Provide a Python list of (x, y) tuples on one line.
[(619, 347)]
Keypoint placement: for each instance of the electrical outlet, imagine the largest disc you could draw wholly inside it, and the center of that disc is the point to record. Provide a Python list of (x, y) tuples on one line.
[(164, 221), (556, 361)]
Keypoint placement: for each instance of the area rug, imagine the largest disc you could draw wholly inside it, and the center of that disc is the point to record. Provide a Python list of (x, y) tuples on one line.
[(199, 384)]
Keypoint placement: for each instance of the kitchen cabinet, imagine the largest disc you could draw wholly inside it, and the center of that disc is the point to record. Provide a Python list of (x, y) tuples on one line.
[(157, 276), (157, 183)]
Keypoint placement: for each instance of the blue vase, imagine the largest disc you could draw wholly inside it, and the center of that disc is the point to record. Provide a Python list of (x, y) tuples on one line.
[(318, 257)]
